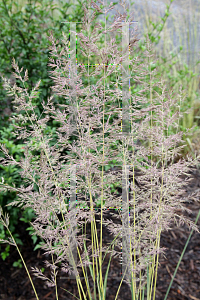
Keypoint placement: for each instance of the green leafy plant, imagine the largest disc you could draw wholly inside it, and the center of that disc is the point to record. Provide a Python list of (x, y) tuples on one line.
[(7, 249), (10, 175), (18, 263), (98, 145)]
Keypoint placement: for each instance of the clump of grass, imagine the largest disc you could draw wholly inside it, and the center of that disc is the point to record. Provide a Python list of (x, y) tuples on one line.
[(87, 117)]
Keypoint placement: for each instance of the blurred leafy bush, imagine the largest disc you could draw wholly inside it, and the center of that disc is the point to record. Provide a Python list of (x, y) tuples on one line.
[(24, 35)]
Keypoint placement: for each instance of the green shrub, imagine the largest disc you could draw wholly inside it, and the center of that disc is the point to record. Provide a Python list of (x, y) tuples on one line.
[(24, 36)]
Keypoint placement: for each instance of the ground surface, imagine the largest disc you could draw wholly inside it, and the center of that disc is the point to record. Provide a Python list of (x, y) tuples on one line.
[(15, 285)]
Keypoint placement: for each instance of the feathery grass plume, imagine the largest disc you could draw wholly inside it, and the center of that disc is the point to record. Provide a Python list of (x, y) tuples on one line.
[(86, 116)]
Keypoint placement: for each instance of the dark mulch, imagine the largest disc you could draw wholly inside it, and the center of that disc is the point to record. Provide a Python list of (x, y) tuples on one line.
[(15, 284)]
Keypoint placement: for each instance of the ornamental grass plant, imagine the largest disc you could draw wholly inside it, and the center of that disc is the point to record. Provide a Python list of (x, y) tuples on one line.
[(137, 138)]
